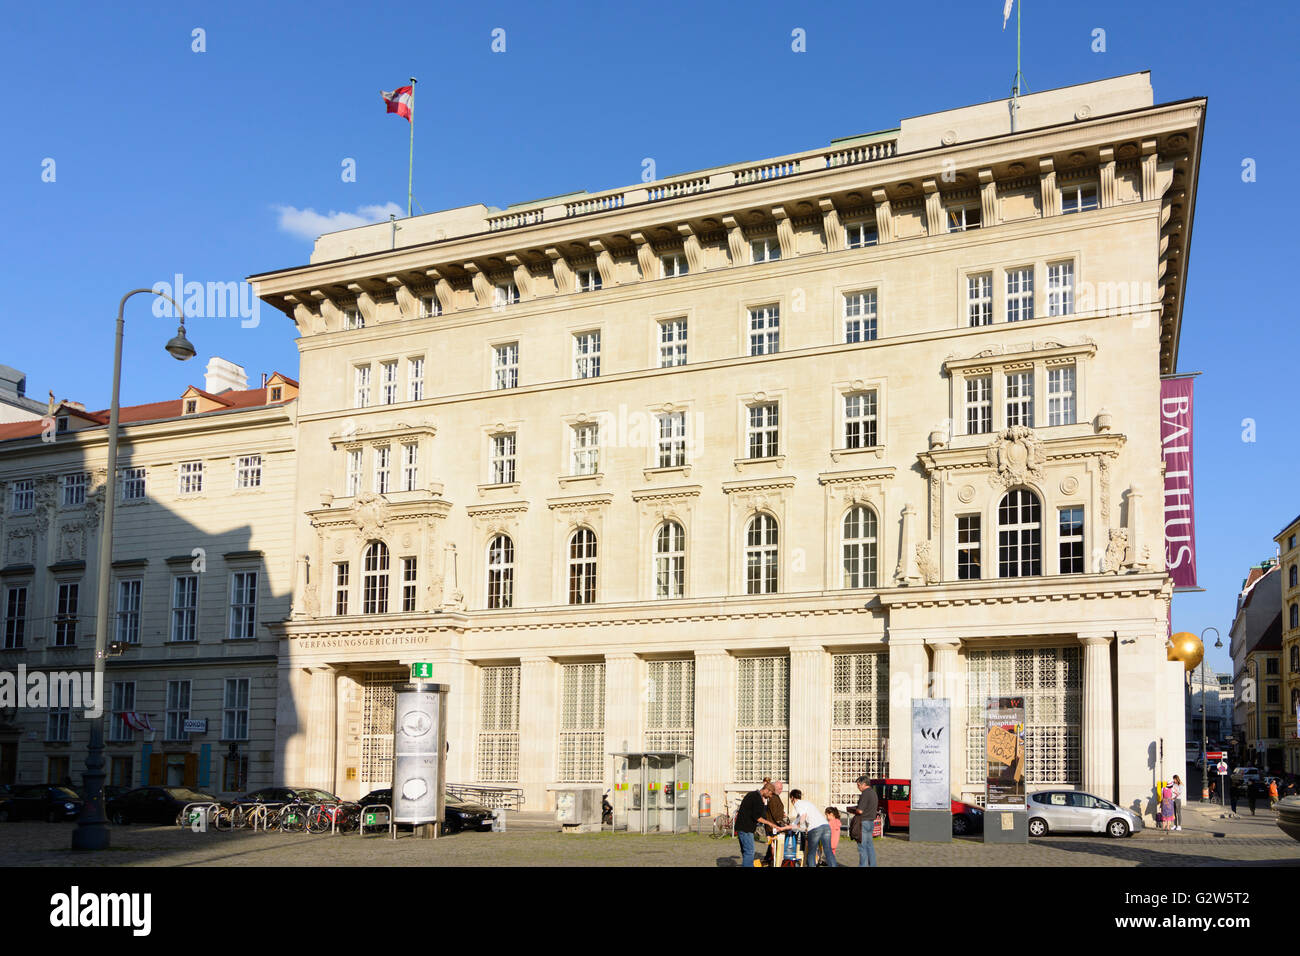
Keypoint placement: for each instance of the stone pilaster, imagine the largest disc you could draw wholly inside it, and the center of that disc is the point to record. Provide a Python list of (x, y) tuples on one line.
[(988, 199), (715, 706), (810, 722), (948, 681), (539, 710), (908, 670), (1049, 197), (1098, 717), (1106, 177), (622, 702), (322, 728), (291, 710)]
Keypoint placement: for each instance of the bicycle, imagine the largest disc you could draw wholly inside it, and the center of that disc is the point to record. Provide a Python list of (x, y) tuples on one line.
[(290, 818), (254, 816), (326, 817), (724, 825)]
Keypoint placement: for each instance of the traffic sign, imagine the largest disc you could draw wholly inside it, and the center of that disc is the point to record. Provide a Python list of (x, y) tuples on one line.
[(1223, 769), (421, 671), (1215, 754)]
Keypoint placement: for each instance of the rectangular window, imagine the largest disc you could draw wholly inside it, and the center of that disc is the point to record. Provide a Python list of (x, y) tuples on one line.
[(765, 250), (123, 702), (234, 713), (133, 488), (65, 614), (859, 721), (122, 773), (410, 467), (191, 478), (505, 365), (979, 405), (582, 723), (415, 379), (1020, 399), (504, 294), (1274, 725), (354, 472), (341, 570), (185, 607), (765, 330), (968, 547), (234, 773), (1070, 536), (1078, 198), (430, 306), (243, 605), (859, 235), (1060, 288), (74, 489), (1020, 294), (762, 718), (860, 420), (670, 706), (128, 611), (498, 730), (248, 471), (1060, 395), (674, 265), (15, 616), (762, 430), (586, 449), (58, 726), (388, 382), (352, 319), (860, 316), (587, 280), (361, 386), (24, 495), (191, 406), (503, 458), (672, 440), (979, 299), (383, 469), (178, 709), (963, 218), (586, 354), (410, 578), (672, 343)]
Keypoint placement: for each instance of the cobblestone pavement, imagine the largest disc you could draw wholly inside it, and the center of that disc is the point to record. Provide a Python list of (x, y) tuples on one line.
[(46, 844)]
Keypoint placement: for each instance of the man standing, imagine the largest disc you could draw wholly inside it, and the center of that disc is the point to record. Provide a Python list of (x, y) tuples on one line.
[(777, 828), (807, 816), (864, 818), (748, 817)]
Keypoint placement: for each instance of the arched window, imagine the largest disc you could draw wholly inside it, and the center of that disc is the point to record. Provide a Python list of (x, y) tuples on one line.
[(501, 572), (1295, 699), (670, 561), (1295, 615), (1291, 582), (374, 581), (1020, 535), (582, 567), (859, 548), (761, 555)]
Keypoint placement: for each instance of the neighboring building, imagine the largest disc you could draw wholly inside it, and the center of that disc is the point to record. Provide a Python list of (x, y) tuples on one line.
[(732, 463), (15, 406), (201, 569), (1255, 639), (1288, 543), (1204, 694)]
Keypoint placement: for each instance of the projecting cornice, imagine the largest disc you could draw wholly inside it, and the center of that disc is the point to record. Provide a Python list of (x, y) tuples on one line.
[(1053, 449), (1073, 587)]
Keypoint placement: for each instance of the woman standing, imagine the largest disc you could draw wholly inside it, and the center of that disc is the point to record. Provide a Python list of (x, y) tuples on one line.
[(1178, 802), (1167, 808)]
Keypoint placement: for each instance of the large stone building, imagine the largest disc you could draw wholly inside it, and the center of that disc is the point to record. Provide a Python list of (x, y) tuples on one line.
[(1288, 544), (741, 461), (1255, 645), (201, 564)]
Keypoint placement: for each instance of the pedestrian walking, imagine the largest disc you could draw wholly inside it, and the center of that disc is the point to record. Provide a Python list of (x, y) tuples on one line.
[(1272, 794), (1233, 792), (1178, 802), (808, 818), (864, 820), (748, 817), (1252, 794)]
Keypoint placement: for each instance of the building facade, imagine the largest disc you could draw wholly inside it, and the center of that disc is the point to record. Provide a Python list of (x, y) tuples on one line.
[(1255, 646), (201, 564), (739, 462), (1288, 545)]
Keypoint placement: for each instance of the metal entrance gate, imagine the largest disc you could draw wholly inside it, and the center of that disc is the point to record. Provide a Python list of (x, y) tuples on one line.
[(377, 698)]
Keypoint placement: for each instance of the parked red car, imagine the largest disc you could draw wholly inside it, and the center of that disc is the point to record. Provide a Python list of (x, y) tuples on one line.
[(896, 808)]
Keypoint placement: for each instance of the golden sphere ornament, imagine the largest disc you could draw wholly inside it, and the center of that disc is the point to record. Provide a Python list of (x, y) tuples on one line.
[(1187, 647)]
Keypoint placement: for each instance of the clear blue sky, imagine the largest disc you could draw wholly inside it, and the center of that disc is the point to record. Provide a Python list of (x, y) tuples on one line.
[(169, 161)]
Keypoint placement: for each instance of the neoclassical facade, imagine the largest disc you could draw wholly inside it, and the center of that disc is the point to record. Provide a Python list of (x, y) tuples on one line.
[(741, 461)]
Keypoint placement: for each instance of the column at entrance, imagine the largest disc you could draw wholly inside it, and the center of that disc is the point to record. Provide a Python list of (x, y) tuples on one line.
[(715, 705), (322, 728), (291, 712), (949, 682), (539, 711), (810, 722), (1098, 717), (908, 671)]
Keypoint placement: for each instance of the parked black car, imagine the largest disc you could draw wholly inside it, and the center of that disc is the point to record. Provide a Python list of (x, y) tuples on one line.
[(40, 802), (290, 795), (154, 804), (457, 814)]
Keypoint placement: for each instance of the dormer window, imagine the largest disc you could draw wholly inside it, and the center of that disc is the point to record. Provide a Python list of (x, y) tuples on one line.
[(277, 393), (588, 280), (963, 218), (61, 424), (191, 406)]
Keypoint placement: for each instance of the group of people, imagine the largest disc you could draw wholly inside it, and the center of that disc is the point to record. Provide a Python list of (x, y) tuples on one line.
[(1169, 808), (762, 811), (1255, 790)]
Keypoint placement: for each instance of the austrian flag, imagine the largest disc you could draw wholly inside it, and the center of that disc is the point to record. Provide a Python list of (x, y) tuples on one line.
[(399, 101)]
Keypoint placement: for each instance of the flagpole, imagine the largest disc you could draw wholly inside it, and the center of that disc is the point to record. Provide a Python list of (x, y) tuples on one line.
[(1015, 86), (410, 170)]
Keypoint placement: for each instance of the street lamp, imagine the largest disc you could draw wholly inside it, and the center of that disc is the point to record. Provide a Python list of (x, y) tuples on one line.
[(92, 830), (1205, 761)]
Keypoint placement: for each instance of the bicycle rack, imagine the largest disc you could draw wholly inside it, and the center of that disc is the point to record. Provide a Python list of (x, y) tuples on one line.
[(207, 806), (392, 827), (334, 817)]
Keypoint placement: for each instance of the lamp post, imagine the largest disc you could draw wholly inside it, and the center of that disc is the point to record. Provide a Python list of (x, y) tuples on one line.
[(1205, 761), (92, 830)]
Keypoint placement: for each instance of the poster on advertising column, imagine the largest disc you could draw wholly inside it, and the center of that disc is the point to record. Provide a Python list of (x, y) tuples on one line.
[(930, 731), (1179, 514), (1004, 748)]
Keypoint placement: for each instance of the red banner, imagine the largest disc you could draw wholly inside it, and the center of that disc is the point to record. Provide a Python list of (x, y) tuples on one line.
[(1179, 515)]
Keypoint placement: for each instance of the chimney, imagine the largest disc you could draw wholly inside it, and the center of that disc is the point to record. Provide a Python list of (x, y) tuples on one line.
[(222, 376)]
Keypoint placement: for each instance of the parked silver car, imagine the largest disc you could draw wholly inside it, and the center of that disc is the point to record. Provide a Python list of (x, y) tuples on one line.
[(1069, 811)]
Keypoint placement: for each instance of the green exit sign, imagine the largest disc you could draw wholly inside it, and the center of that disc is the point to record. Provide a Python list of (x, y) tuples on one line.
[(421, 671)]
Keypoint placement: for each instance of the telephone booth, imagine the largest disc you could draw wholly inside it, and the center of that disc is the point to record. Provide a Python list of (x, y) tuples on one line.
[(652, 791)]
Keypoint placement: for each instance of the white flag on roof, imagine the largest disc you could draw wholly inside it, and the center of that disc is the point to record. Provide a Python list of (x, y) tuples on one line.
[(1006, 12)]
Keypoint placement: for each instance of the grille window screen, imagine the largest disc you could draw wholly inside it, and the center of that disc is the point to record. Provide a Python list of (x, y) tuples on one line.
[(670, 706), (377, 729), (762, 718), (1050, 679), (859, 721), (582, 724), (498, 730)]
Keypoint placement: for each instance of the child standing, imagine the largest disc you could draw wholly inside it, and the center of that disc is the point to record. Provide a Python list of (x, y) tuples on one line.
[(833, 818)]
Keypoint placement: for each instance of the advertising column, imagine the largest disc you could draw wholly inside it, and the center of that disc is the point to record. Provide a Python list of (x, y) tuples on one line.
[(1004, 749), (931, 796), (419, 755)]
